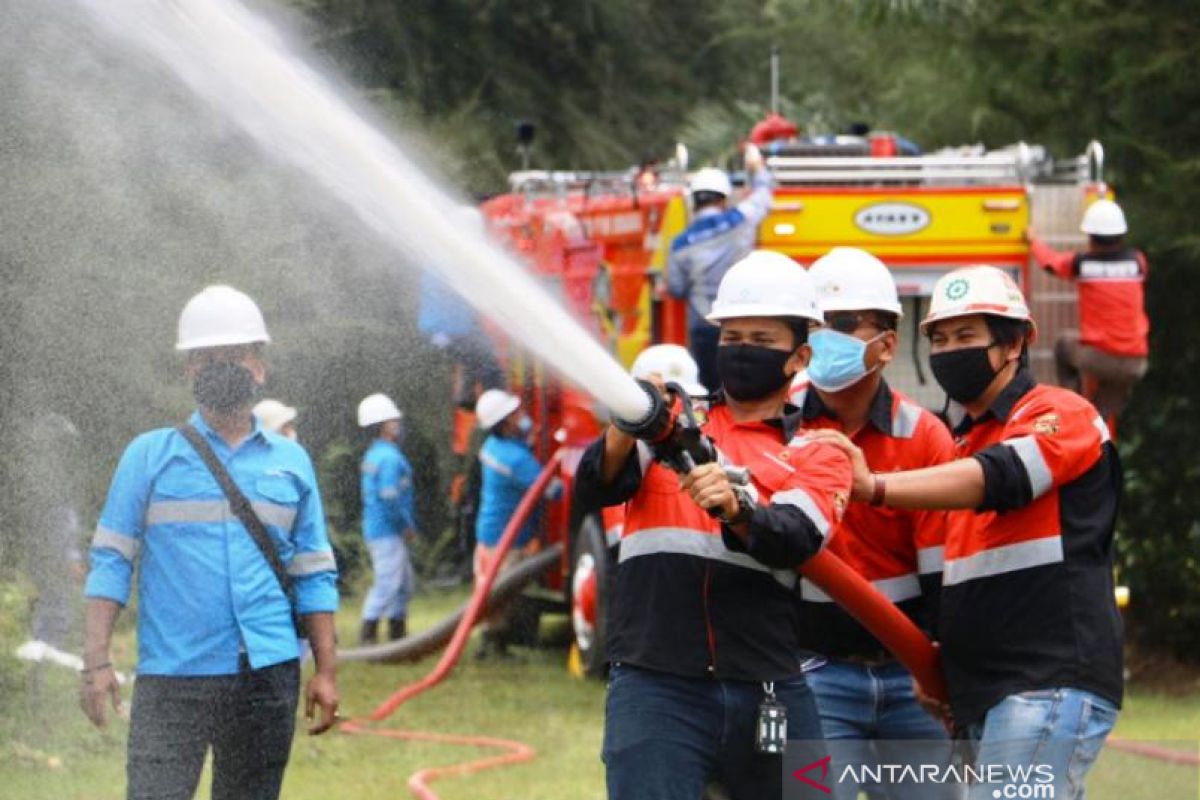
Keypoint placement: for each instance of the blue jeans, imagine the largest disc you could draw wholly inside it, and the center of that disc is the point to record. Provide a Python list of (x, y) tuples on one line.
[(1061, 730), (666, 736), (394, 579), (858, 702)]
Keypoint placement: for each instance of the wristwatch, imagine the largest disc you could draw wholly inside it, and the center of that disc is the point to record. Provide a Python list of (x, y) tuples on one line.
[(745, 510)]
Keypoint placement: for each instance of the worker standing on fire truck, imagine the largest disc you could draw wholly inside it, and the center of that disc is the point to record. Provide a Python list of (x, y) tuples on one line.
[(862, 691), (704, 621), (718, 237), (1029, 629), (1109, 349)]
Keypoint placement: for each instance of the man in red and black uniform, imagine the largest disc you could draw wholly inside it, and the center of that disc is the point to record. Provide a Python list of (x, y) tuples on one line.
[(1029, 629), (862, 691), (1110, 347), (704, 625)]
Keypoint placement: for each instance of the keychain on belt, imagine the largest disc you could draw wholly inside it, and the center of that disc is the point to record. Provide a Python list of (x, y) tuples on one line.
[(771, 736)]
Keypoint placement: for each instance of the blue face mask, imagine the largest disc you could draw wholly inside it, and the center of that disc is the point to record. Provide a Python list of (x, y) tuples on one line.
[(838, 360)]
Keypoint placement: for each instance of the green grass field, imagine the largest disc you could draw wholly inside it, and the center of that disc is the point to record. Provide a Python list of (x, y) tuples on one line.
[(48, 750)]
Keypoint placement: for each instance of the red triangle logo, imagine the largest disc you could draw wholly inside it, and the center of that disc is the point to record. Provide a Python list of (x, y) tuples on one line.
[(823, 764)]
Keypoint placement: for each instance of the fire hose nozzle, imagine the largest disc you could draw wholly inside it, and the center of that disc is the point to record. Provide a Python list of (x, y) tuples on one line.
[(657, 423)]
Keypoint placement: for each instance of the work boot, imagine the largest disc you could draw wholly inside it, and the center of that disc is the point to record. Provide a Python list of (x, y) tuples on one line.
[(369, 634), (487, 646), (397, 628)]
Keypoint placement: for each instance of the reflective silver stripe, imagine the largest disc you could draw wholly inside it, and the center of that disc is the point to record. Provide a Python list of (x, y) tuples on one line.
[(803, 501), (999, 560), (369, 468), (1102, 426), (612, 536), (388, 494), (684, 541), (167, 512), (929, 559), (309, 563), (904, 423), (488, 461), (1040, 479), (106, 538), (274, 514), (903, 587)]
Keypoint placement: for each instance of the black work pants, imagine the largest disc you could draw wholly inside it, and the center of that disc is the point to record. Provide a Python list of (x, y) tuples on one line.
[(248, 720)]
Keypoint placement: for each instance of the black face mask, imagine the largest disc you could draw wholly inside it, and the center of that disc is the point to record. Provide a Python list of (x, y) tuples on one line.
[(224, 387), (964, 374), (751, 372)]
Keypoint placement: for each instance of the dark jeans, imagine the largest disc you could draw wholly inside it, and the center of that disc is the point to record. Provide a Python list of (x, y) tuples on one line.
[(666, 737), (702, 342), (247, 719)]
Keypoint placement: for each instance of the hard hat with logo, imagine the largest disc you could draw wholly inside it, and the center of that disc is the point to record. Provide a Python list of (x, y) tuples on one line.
[(376, 408), (273, 414), (977, 290), (493, 406), (220, 316), (849, 279), (766, 284), (711, 179), (1104, 218), (672, 363)]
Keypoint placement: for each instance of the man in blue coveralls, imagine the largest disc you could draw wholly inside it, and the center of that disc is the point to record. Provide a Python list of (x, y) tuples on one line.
[(218, 651), (388, 521), (509, 469)]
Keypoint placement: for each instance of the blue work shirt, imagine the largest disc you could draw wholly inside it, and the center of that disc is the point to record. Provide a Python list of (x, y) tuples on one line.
[(387, 491), (509, 469), (206, 592), (714, 241)]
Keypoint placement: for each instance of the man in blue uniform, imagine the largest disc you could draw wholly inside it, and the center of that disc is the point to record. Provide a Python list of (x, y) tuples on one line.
[(218, 652), (509, 468), (388, 520), (719, 236)]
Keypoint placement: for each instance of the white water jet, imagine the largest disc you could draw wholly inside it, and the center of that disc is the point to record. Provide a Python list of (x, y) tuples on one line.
[(240, 65)]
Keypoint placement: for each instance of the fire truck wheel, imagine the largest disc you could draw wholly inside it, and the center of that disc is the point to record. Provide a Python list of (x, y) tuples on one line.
[(590, 575)]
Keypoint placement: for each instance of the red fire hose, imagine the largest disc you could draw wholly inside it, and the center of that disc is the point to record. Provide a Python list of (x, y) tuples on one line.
[(879, 616), (513, 752)]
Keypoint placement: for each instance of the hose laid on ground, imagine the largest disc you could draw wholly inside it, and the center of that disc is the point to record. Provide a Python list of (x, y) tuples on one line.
[(514, 752), (429, 641)]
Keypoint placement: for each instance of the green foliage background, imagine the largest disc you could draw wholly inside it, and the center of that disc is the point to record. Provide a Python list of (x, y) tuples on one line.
[(121, 197)]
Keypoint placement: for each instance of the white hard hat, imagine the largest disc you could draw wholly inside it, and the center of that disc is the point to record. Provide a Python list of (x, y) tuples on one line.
[(711, 179), (376, 408), (672, 363), (218, 317), (849, 279), (493, 406), (976, 290), (766, 284), (273, 414), (1104, 218)]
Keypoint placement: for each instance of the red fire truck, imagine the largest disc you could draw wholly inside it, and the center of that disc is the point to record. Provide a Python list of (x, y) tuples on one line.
[(601, 239)]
